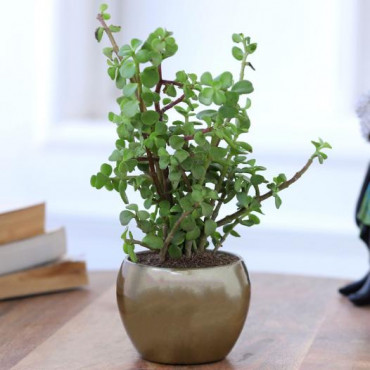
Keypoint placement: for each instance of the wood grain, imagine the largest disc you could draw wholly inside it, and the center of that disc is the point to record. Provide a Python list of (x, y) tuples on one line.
[(295, 322), (52, 277), (22, 223), (27, 322)]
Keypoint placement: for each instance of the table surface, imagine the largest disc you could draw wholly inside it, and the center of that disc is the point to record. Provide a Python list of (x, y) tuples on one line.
[(295, 322)]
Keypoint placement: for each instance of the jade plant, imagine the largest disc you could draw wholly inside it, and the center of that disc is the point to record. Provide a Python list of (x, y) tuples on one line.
[(181, 146)]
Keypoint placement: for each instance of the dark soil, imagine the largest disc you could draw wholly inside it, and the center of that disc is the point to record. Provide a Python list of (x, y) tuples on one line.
[(205, 259)]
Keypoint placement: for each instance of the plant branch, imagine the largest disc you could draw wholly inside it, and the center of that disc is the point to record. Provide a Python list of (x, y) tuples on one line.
[(99, 17), (219, 244), (153, 173), (267, 195), (166, 244), (158, 90), (186, 179), (146, 159), (175, 102), (204, 131), (138, 242), (168, 82)]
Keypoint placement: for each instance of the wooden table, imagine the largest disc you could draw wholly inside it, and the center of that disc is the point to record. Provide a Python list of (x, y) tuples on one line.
[(294, 323)]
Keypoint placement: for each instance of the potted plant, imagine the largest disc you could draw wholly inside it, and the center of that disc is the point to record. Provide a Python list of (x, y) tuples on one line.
[(183, 300)]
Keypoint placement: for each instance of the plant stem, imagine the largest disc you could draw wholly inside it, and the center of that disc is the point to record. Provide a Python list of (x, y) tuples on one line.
[(175, 83), (219, 244), (204, 131), (175, 102), (99, 17), (267, 195), (138, 242), (166, 244), (244, 62)]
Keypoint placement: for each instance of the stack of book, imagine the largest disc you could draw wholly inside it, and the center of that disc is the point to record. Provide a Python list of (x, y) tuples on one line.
[(33, 261)]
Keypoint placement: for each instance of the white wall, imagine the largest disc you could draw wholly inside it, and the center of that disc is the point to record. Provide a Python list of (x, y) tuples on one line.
[(306, 83)]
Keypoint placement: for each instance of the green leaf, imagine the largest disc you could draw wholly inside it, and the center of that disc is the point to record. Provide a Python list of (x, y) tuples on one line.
[(93, 181), (210, 227), (122, 191), (181, 155), (205, 97), (181, 76), (143, 215), (278, 201), (125, 50), (176, 142), (253, 218), (245, 146), (153, 241), (227, 111), (211, 113), (150, 76), (193, 234), (243, 87), (101, 180), (200, 139), (130, 251), (188, 223), (99, 33), (106, 169), (178, 238), (219, 97), (186, 204), (237, 37), (108, 52), (106, 16), (129, 89), (133, 207), (115, 156), (135, 43), (197, 171), (251, 48), (234, 233), (164, 208), (150, 117), (217, 153), (207, 209), (174, 251), (160, 128), (226, 80), (170, 90), (127, 69), (125, 217), (237, 53), (206, 79), (112, 72), (197, 196), (143, 56), (113, 28), (103, 7), (130, 108)]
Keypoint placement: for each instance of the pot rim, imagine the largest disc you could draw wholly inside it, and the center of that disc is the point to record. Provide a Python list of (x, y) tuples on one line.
[(141, 265)]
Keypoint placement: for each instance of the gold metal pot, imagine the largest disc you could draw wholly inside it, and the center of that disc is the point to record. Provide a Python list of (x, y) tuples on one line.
[(183, 316)]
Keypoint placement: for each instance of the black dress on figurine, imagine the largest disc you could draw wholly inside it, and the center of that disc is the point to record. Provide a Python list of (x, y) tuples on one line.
[(359, 291)]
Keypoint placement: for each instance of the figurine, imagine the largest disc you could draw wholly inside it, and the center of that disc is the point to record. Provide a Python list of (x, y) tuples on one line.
[(359, 291)]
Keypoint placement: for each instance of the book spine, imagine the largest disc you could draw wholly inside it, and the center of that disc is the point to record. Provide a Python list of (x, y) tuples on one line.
[(32, 252)]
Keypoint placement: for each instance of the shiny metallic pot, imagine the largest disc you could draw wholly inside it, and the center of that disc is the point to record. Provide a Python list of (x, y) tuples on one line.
[(183, 316)]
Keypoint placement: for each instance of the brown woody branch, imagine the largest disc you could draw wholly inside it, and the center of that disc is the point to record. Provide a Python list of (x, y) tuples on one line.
[(99, 17), (169, 82), (267, 195), (166, 244), (175, 102), (191, 137)]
